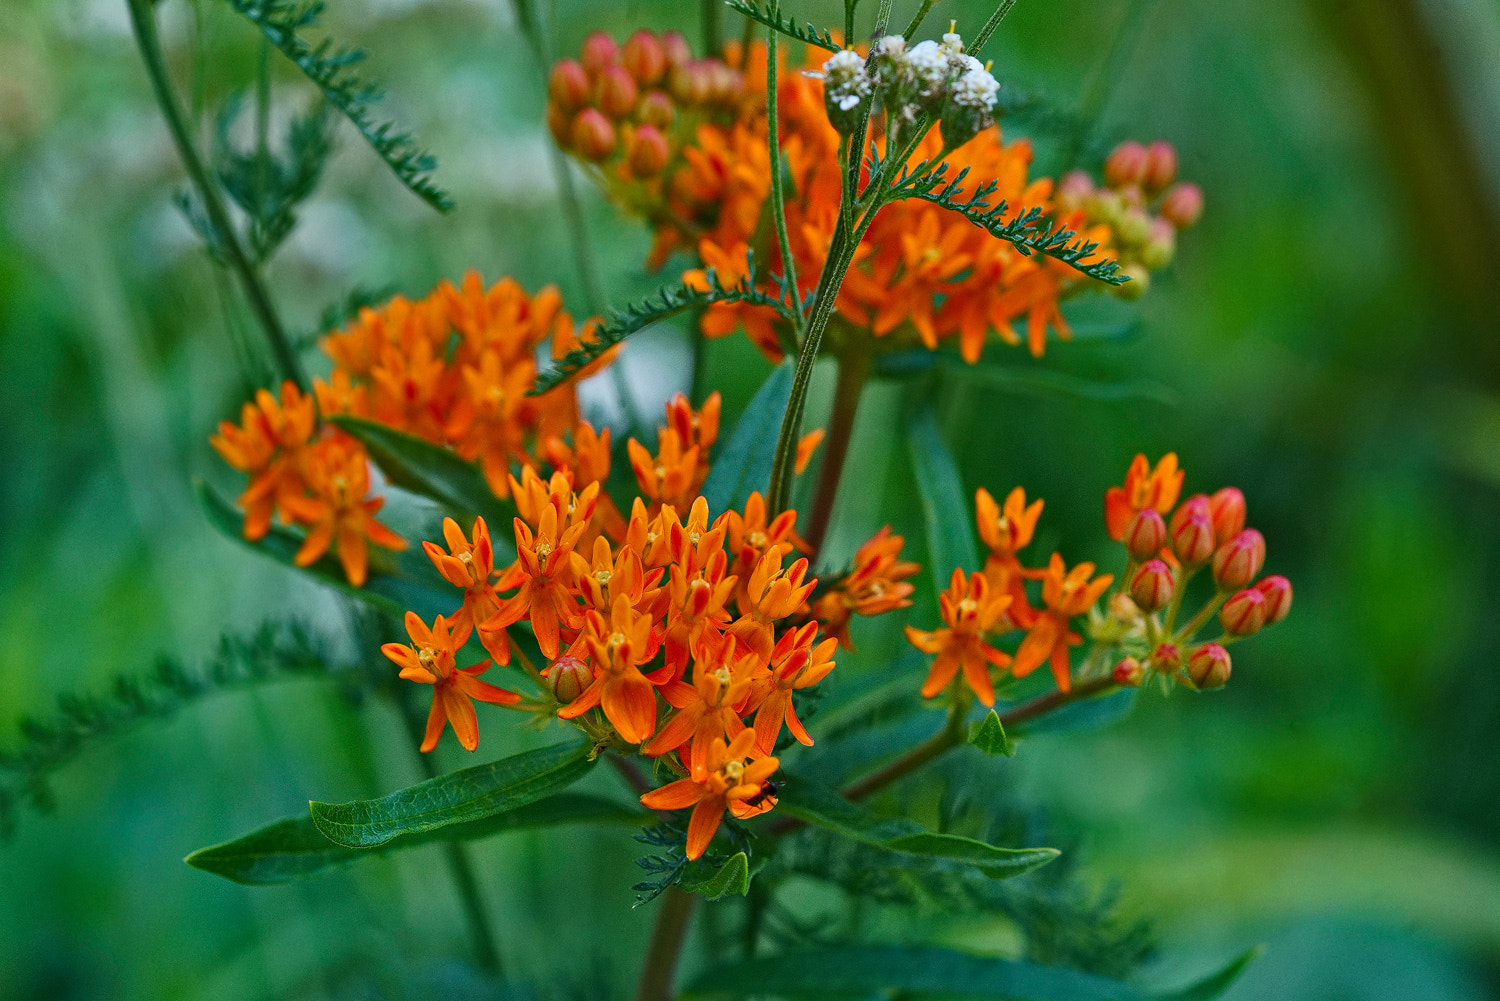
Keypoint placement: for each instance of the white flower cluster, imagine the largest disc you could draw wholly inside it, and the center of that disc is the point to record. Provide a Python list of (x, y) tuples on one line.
[(845, 83)]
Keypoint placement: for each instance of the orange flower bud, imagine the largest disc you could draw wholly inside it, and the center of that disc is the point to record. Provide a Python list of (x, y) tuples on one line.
[(1244, 613), (1126, 165), (1183, 205), (1151, 587), (568, 677), (617, 92), (1129, 672), (1161, 165), (1145, 535), (645, 57), (599, 51), (1227, 509), (690, 83), (1134, 226), (593, 136), (1238, 561), (1208, 667), (1278, 594), (560, 124), (675, 47), (1192, 531), (656, 109), (568, 85), (1166, 659), (647, 152)]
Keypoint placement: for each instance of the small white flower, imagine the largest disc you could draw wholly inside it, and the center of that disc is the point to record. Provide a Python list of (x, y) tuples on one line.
[(889, 47), (975, 89), (952, 42)]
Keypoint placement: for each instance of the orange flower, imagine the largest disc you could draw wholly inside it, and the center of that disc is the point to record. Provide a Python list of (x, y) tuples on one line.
[(1144, 487), (730, 782), (751, 537), (1005, 532), (876, 584), (338, 475), (430, 661), (470, 566), (970, 610), (807, 447), (771, 594), (545, 573), (1066, 593), (670, 476), (267, 445), (720, 319), (709, 709), (609, 576), (798, 661), (617, 647), (695, 608)]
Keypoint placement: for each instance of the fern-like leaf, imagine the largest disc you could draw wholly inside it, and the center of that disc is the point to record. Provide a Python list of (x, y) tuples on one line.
[(331, 68), (770, 15), (1024, 231), (639, 315)]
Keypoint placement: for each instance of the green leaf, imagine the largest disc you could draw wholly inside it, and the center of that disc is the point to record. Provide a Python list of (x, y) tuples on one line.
[(455, 798), (1215, 984), (293, 848), (744, 463), (815, 804), (770, 16), (732, 877), (1035, 381), (430, 470), (946, 508), (989, 736)]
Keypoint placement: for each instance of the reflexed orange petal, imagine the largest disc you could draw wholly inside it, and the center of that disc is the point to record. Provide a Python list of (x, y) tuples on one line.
[(705, 822)]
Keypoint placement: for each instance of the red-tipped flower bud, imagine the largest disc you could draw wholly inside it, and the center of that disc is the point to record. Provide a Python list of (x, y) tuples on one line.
[(1075, 186), (1161, 165), (1227, 508), (568, 85), (593, 135), (560, 123), (645, 57), (1129, 672), (1193, 507), (1208, 667), (617, 92), (656, 109), (676, 48), (1278, 594), (647, 152), (1183, 205), (1244, 613), (1151, 586), (1165, 659), (690, 83), (568, 677), (1134, 227), (1193, 538), (1237, 561), (1160, 246), (1126, 165), (1145, 535), (599, 51)]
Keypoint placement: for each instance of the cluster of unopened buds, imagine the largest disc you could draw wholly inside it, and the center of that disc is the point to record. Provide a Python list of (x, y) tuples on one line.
[(1142, 202)]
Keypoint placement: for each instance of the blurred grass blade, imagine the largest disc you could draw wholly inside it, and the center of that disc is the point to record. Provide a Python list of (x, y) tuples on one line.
[(456, 798), (744, 463), (732, 877), (815, 804), (1215, 984), (292, 848), (433, 471), (1033, 381), (945, 504)]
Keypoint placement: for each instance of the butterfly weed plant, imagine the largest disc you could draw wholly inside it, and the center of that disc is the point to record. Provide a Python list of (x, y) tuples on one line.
[(661, 604)]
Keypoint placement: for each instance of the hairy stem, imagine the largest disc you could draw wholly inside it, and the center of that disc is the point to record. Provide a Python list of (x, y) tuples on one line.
[(668, 936), (854, 366), (710, 14), (981, 39), (918, 18), (143, 23)]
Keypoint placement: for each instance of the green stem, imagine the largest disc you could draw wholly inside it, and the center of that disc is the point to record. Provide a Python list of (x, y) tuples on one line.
[(668, 936), (1196, 622), (854, 367), (950, 736), (778, 201), (981, 39), (143, 23), (918, 18), (850, 6), (883, 18), (710, 15)]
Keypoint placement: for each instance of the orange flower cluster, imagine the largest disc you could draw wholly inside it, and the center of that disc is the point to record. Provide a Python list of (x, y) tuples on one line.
[(452, 368), (979, 608)]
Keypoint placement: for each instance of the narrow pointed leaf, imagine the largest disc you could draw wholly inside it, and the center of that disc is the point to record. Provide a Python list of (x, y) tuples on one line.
[(293, 848), (989, 736), (1033, 381), (430, 470), (823, 807), (946, 506), (744, 463), (456, 798), (732, 877), (1215, 984)]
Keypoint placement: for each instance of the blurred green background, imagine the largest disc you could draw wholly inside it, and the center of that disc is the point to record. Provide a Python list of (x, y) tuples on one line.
[(1327, 340)]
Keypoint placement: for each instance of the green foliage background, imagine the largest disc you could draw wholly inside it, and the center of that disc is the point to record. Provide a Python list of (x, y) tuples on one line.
[(1326, 340)]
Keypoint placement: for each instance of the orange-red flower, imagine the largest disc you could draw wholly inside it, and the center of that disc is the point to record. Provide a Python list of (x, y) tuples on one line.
[(617, 647), (1005, 532), (876, 584), (710, 708), (470, 565), (971, 610), (338, 512), (267, 445), (730, 782), (430, 661), (546, 575), (798, 661), (731, 267), (1144, 487), (1066, 593)]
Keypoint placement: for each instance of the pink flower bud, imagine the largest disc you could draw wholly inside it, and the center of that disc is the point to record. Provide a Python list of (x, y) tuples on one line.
[(676, 48), (1129, 672), (1075, 186), (1160, 246), (1151, 586), (593, 135), (1208, 667), (656, 109), (647, 152), (1192, 507), (568, 85), (690, 83), (1227, 508), (617, 92), (599, 51), (645, 57), (1237, 561), (568, 677), (1145, 535), (1183, 205), (1244, 613), (1161, 165), (1126, 165), (1166, 659), (1278, 594), (1193, 539)]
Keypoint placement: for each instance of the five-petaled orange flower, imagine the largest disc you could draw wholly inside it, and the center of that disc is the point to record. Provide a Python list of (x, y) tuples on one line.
[(729, 782), (971, 610), (338, 513), (1066, 593), (470, 566), (1144, 487), (544, 571), (1005, 531), (618, 646), (430, 661)]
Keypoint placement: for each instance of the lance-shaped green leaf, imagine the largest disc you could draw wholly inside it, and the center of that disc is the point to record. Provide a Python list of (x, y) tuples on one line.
[(744, 463), (293, 848), (989, 736), (430, 470), (945, 504), (867, 971), (732, 877), (456, 798), (815, 804)]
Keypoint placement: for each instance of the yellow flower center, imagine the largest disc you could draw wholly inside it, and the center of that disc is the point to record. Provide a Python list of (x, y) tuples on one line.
[(733, 770), (543, 551), (428, 660), (722, 676), (758, 540)]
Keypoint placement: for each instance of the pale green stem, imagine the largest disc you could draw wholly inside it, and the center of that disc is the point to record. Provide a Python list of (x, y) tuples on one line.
[(778, 203)]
